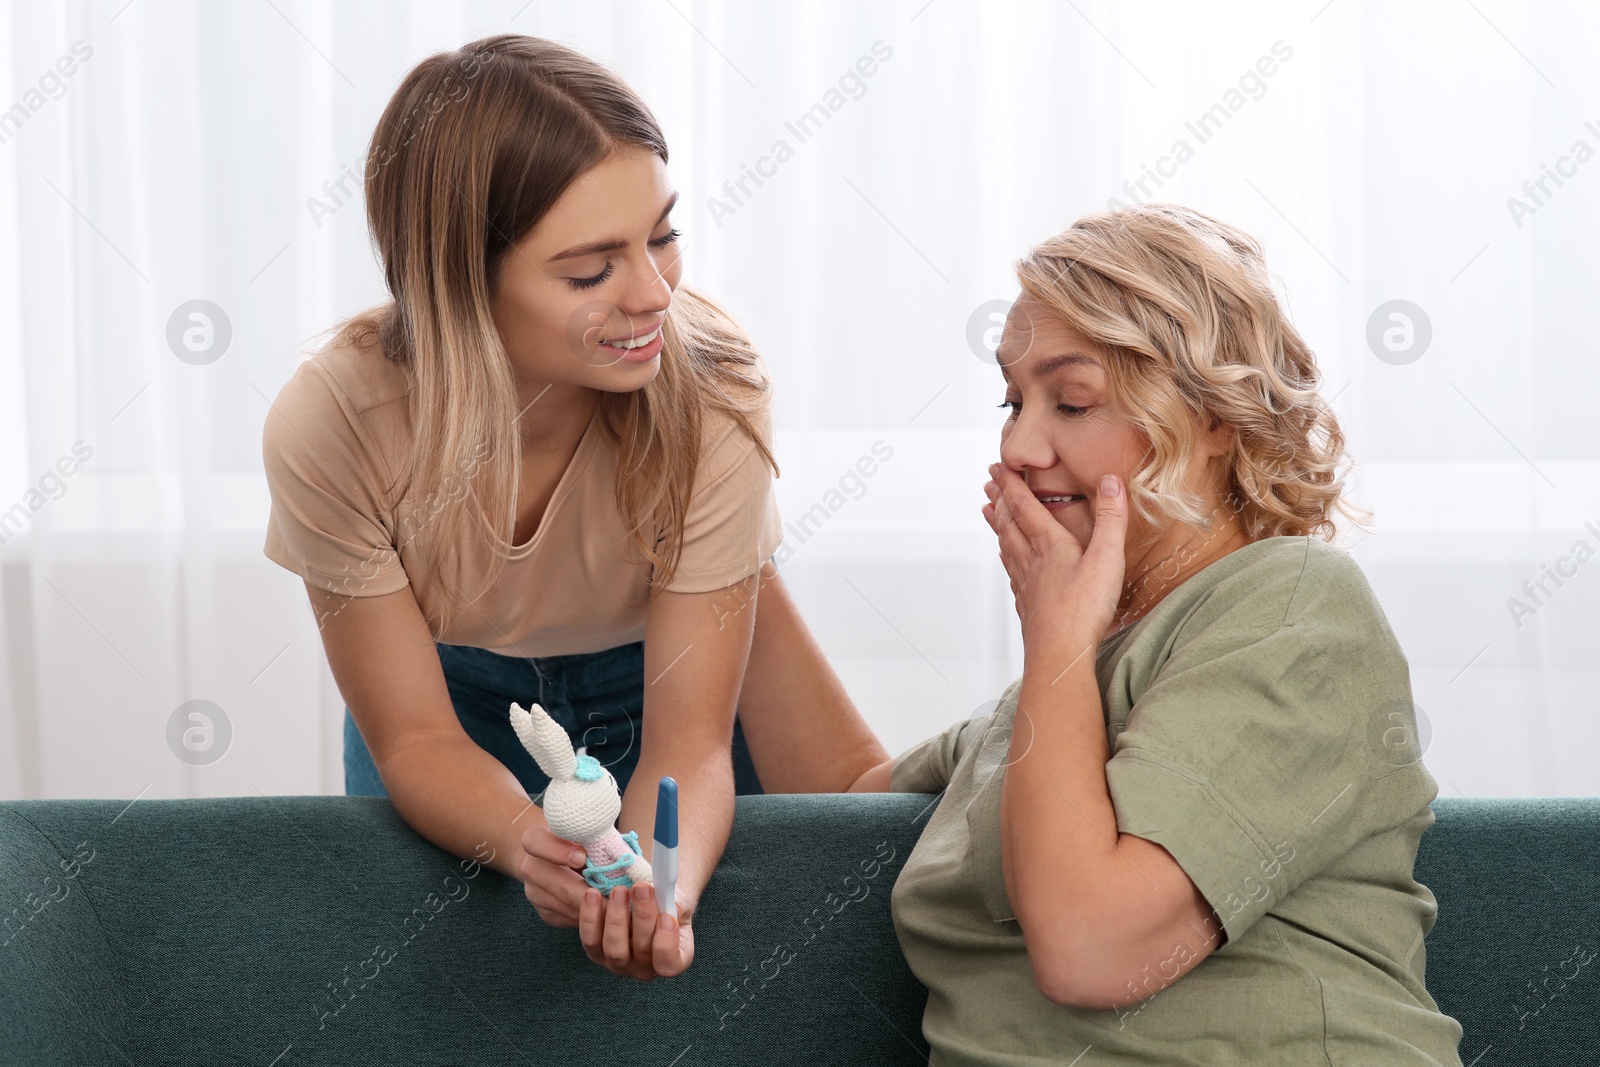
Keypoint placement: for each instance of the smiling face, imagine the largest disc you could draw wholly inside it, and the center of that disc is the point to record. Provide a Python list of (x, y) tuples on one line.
[(593, 279), (1066, 430)]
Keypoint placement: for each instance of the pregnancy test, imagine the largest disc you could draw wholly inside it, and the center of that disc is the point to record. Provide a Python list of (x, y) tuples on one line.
[(664, 853)]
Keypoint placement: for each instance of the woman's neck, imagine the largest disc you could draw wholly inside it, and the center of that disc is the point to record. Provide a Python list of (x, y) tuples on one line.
[(552, 417), (1151, 582)]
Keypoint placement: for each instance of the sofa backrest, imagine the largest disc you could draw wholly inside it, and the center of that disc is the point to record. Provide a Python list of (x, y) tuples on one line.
[(241, 929), (1518, 886), (323, 930)]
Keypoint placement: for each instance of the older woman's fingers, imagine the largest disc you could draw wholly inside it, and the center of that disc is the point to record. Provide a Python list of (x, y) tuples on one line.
[(1005, 555), (1016, 550), (1031, 518), (1006, 552), (1014, 543)]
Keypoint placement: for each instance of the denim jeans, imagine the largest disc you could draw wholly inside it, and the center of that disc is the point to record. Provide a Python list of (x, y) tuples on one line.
[(598, 697)]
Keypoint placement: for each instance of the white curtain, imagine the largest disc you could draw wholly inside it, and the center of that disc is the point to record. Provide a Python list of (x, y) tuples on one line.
[(156, 153)]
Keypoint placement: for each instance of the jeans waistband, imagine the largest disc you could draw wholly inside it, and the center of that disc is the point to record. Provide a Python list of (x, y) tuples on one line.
[(554, 677)]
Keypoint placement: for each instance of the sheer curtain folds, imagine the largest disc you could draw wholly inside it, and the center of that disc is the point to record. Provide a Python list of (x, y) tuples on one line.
[(183, 216)]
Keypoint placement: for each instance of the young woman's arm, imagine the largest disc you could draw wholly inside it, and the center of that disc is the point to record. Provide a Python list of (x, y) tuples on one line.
[(445, 787), (695, 648), (804, 732), (701, 661)]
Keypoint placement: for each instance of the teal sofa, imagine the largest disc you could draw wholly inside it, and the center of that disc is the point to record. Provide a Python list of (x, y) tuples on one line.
[(278, 931)]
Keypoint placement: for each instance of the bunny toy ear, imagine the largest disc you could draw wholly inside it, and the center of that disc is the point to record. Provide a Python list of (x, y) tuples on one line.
[(546, 740)]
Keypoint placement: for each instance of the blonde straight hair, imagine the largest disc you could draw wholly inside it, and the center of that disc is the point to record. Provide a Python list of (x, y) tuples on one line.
[(1185, 307), (473, 149)]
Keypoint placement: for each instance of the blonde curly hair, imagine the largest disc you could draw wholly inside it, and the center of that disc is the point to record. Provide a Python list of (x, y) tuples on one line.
[(1184, 307)]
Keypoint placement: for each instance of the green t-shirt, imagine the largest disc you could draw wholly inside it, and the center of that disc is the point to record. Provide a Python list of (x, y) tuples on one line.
[(1262, 732)]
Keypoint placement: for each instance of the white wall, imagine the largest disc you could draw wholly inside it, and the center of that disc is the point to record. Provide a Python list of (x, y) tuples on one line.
[(1375, 163)]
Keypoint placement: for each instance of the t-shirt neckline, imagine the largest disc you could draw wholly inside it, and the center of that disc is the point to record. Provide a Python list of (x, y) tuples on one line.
[(569, 477), (1119, 639)]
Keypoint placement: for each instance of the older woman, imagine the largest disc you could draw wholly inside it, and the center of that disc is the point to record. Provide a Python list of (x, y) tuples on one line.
[(1186, 834)]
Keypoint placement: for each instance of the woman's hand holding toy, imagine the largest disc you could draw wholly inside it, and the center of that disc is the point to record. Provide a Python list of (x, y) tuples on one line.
[(581, 806), (550, 877)]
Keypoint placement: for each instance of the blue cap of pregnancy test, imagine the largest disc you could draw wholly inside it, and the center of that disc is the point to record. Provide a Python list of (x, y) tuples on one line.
[(667, 813)]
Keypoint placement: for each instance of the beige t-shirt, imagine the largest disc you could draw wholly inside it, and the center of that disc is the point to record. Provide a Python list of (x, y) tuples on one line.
[(1262, 732), (339, 430)]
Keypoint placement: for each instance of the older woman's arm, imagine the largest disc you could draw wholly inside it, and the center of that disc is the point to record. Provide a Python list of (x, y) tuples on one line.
[(1097, 907), (1109, 918)]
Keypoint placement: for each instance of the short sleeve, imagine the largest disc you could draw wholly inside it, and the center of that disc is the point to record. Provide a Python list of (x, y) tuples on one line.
[(927, 767), (732, 525), (1256, 754), (326, 522)]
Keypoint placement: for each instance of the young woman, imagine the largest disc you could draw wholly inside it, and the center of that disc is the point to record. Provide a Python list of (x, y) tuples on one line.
[(1186, 834), (540, 472)]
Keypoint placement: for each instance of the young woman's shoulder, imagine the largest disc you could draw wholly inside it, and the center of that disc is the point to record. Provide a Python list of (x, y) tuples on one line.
[(737, 391), (352, 369), (336, 422), (730, 457), (325, 443)]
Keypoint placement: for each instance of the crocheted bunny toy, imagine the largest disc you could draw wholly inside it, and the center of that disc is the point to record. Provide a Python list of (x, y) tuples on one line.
[(582, 803)]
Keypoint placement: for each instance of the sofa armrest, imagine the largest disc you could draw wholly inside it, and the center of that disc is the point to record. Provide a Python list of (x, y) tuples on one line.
[(59, 1000)]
